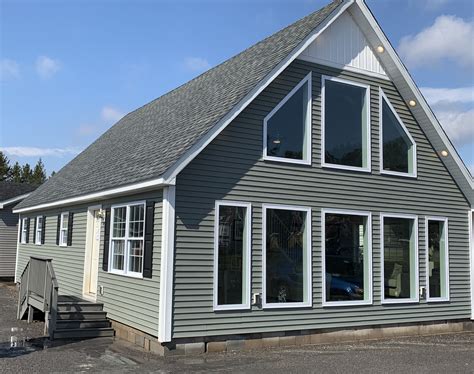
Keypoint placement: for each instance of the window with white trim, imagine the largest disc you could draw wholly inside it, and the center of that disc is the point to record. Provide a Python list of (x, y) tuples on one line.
[(63, 229), (347, 262), (286, 256), (24, 230), (232, 256), (345, 124), (127, 239), (287, 128), (400, 258), (437, 263), (39, 229), (397, 147)]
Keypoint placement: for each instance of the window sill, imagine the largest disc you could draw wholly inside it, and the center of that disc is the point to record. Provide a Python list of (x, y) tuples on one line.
[(286, 305), (231, 307), (62, 245), (346, 303), (344, 167), (38, 244), (398, 174), (437, 300), (129, 275), (286, 160), (400, 301)]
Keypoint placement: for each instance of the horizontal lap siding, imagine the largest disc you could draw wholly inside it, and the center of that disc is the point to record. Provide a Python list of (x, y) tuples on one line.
[(231, 168), (68, 262), (8, 240), (132, 301)]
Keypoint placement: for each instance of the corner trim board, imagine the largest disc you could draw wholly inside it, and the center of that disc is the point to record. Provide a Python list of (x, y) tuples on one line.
[(167, 264)]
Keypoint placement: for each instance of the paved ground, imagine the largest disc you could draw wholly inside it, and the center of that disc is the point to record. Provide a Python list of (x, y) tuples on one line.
[(451, 354)]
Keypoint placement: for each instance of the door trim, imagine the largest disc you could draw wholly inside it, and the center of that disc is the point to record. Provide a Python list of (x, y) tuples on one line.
[(88, 249)]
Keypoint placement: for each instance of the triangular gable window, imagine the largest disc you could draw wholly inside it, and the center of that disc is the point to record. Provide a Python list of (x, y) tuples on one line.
[(287, 128), (398, 149)]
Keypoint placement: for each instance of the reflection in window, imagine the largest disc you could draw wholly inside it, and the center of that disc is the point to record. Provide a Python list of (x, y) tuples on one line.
[(398, 152), (286, 260), (346, 257), (399, 258), (287, 125), (345, 124), (127, 241), (232, 255), (437, 259)]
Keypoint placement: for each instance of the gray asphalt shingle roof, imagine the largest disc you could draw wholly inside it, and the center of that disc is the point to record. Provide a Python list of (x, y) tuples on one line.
[(9, 190), (149, 140)]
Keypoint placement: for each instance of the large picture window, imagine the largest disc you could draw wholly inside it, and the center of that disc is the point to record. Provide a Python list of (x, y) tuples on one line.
[(232, 256), (400, 258), (397, 147), (127, 239), (437, 264), (286, 256), (287, 128), (347, 262), (345, 124)]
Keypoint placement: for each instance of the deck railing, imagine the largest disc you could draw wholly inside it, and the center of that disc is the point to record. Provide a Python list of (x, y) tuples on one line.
[(39, 289)]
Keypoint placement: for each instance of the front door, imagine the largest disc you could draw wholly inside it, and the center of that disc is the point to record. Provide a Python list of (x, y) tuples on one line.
[(92, 255)]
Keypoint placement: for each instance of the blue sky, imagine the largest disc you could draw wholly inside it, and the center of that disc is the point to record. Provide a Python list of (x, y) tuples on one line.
[(70, 69)]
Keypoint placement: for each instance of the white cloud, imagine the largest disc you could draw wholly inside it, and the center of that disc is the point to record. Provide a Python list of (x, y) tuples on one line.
[(46, 67), (459, 125), (111, 114), (9, 69), (434, 4), (449, 38), (448, 95), (196, 64), (39, 152)]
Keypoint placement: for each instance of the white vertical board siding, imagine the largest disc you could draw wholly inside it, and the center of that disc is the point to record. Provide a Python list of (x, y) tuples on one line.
[(8, 240), (344, 45), (231, 168), (134, 301)]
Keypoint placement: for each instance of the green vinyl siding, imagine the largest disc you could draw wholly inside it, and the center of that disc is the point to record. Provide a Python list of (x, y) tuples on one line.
[(131, 301), (8, 240), (231, 168)]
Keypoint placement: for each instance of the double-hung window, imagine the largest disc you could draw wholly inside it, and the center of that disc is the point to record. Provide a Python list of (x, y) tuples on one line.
[(286, 256), (345, 124), (437, 264), (399, 238), (63, 229), (347, 257), (287, 128), (39, 230), (397, 147), (232, 242), (127, 239), (24, 230)]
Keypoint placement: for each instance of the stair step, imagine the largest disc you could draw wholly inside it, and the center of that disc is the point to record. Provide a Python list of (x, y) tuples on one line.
[(79, 306), (83, 333), (66, 324), (82, 315)]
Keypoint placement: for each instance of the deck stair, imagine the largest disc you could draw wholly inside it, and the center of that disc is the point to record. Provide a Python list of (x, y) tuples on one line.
[(78, 318)]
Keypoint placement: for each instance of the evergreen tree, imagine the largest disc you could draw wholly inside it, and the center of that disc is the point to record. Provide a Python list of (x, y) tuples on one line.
[(4, 167), (39, 173), (15, 174), (52, 174), (26, 173)]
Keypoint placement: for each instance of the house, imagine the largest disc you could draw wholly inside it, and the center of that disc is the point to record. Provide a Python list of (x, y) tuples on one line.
[(11, 193), (302, 186)]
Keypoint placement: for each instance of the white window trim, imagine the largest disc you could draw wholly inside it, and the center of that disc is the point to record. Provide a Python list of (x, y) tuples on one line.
[(416, 298), (61, 230), (126, 238), (369, 300), (23, 231), (308, 125), (248, 253), (39, 229), (368, 168), (383, 97), (308, 295), (446, 260)]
